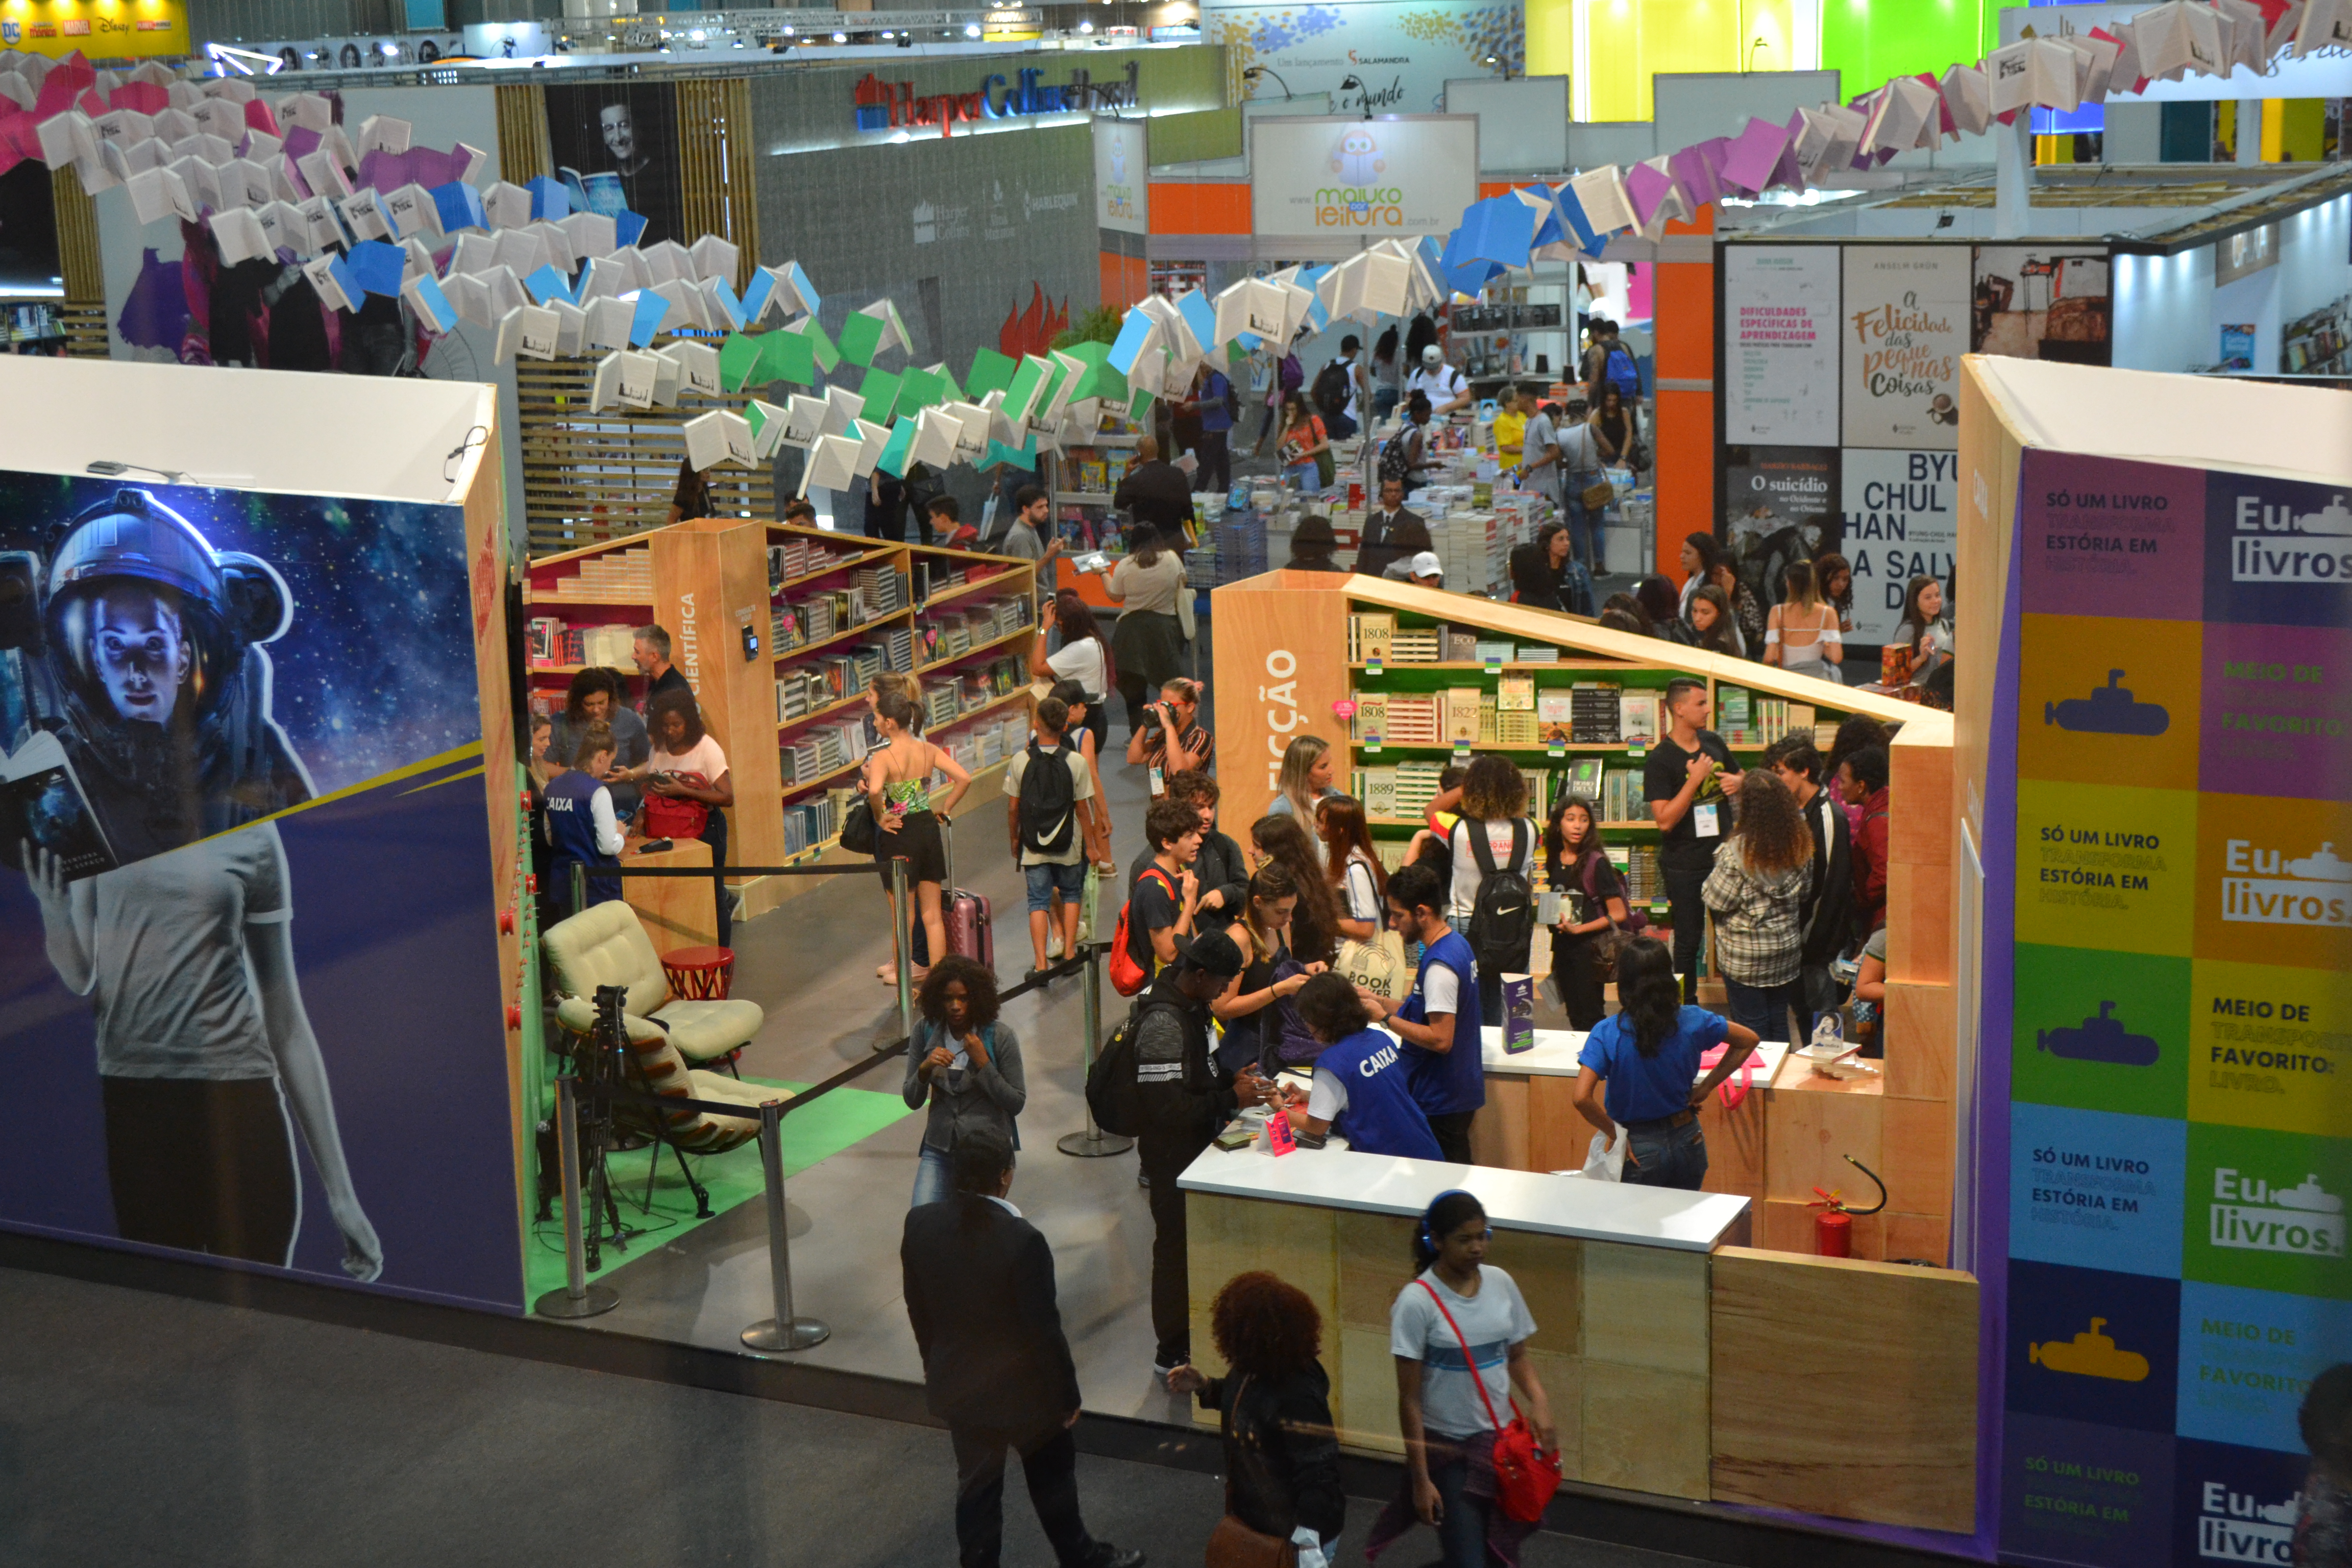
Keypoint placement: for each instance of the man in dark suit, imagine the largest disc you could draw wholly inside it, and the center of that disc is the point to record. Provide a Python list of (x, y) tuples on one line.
[(1378, 546), (1155, 492), (978, 1282)]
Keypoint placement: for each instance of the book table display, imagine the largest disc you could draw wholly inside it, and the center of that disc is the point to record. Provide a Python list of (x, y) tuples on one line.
[(1671, 1368), (780, 630)]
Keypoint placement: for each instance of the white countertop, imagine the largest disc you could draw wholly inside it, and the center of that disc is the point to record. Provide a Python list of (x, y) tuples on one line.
[(1514, 1200), (1554, 1055)]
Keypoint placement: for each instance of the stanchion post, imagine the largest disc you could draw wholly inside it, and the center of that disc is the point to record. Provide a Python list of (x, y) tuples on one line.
[(1094, 1142), (783, 1332), (578, 1299), (905, 916)]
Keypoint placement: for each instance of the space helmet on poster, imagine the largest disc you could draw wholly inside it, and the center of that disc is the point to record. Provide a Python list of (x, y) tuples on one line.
[(227, 601), (210, 755)]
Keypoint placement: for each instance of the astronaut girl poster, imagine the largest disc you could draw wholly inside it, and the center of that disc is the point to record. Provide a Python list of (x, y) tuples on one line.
[(249, 992)]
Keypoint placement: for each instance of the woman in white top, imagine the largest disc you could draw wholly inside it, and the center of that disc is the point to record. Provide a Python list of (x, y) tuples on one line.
[(1149, 640), (1352, 866), (1925, 631), (687, 764), (1308, 766), (1494, 806), (1459, 1335), (1084, 656), (1801, 633)]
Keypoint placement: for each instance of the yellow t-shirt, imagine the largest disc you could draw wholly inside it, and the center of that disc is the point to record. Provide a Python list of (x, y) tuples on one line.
[(1510, 435)]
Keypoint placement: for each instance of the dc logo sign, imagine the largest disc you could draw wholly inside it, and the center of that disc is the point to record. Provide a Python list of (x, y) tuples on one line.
[(11, 31)]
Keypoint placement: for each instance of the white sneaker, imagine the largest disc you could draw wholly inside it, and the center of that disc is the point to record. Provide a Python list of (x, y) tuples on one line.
[(1053, 946)]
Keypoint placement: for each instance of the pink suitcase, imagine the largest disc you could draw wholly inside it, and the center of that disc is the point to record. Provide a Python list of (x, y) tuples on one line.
[(970, 931)]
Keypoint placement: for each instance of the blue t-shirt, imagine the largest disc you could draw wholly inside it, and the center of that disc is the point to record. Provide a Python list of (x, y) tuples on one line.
[(1377, 1114), (1215, 414), (1645, 1089), (571, 832), (1446, 1082)]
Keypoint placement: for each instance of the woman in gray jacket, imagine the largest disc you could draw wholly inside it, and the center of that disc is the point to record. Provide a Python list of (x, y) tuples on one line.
[(967, 1064)]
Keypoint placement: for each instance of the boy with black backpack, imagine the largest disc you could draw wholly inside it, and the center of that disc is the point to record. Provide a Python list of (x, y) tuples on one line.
[(1053, 839), (1336, 388)]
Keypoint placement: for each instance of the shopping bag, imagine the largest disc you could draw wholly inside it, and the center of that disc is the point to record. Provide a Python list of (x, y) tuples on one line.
[(1378, 966), (1605, 1162)]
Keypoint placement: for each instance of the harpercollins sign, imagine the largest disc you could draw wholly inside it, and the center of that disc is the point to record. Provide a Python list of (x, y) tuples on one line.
[(1345, 178)]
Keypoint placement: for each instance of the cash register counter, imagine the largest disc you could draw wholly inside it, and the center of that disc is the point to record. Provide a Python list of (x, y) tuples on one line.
[(1678, 1358)]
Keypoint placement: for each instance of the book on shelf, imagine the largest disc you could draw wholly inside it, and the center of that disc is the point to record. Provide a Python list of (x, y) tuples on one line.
[(1825, 735), (1515, 727), (1461, 646), (1413, 720), (1584, 776), (1592, 706), (1539, 795), (1637, 717), (1367, 637), (1538, 653), (1371, 716), (1492, 652), (1462, 714), (1486, 717), (1515, 693)]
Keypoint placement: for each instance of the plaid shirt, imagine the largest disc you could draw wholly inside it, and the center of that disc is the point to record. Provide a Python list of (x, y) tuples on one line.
[(1759, 929)]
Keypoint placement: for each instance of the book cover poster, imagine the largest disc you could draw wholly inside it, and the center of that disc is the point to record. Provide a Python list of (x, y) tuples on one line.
[(247, 959), (1780, 507), (1905, 317), (1901, 519), (1781, 344), (2041, 303)]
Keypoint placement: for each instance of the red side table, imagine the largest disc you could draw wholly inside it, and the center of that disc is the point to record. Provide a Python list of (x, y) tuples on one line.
[(701, 974)]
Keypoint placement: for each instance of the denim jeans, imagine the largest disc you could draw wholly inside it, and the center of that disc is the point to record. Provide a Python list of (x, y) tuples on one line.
[(1309, 476), (1462, 1526), (1766, 1008), (1584, 527), (1047, 878), (1669, 1157), (934, 1178)]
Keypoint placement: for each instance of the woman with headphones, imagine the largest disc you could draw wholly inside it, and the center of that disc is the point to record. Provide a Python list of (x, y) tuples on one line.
[(1459, 1334)]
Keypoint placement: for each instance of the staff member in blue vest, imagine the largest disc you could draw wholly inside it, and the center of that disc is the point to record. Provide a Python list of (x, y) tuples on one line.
[(1360, 1088), (580, 826), (1439, 1022)]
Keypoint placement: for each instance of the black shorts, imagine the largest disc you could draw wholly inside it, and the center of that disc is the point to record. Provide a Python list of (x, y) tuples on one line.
[(201, 1164), (917, 842)]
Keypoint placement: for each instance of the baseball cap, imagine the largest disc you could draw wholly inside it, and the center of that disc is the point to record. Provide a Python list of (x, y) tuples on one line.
[(1213, 951), (1431, 355), (1427, 564)]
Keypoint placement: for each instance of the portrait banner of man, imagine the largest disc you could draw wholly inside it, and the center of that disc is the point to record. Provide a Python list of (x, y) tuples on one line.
[(616, 146)]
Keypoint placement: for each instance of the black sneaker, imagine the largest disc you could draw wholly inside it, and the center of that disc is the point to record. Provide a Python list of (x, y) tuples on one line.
[(1034, 975)]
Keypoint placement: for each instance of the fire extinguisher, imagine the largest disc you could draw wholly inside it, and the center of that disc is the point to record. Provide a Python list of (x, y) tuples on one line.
[(1833, 1226)]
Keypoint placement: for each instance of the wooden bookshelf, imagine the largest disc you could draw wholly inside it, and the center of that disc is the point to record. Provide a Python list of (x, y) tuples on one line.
[(709, 584)]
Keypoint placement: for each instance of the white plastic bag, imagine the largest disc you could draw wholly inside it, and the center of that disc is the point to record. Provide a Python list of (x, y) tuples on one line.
[(1310, 1548), (1605, 1162)]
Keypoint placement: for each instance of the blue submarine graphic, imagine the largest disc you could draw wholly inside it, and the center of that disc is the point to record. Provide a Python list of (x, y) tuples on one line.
[(2100, 1040), (2109, 711)]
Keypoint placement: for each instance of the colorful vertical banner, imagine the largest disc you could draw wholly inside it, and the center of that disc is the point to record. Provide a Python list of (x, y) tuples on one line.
[(2184, 929)]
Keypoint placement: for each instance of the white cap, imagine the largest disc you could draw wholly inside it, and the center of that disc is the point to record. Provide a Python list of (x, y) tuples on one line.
[(1431, 355), (1427, 564)]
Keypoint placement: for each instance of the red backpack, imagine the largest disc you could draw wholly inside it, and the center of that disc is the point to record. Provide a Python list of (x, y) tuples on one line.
[(1128, 975)]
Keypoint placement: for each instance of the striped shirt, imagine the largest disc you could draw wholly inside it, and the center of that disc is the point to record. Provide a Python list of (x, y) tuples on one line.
[(1493, 1321)]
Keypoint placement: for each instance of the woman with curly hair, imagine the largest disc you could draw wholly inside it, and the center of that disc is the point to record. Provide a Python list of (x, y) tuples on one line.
[(1282, 1452), (1757, 892), (1314, 926), (967, 1064)]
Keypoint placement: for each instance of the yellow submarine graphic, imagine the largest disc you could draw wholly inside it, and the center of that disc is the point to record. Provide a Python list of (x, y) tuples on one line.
[(2090, 1355)]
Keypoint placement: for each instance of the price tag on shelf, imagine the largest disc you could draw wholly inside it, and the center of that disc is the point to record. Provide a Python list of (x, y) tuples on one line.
[(1371, 746), (1493, 666), (1461, 754), (1556, 751), (1371, 667), (1636, 752)]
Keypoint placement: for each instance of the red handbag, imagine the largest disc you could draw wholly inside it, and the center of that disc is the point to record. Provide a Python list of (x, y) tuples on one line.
[(1526, 1476), (674, 816)]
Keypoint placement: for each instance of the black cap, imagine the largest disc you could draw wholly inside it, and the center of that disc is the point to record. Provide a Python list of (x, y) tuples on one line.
[(1213, 951)]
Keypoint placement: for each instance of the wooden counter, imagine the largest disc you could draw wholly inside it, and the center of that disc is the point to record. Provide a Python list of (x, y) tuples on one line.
[(676, 911)]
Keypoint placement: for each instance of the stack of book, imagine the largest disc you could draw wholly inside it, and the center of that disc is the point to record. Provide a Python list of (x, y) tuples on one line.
[(1413, 720), (1415, 645), (899, 649), (800, 691), (942, 701), (625, 574), (797, 557), (1638, 864), (552, 643), (1746, 718), (1538, 653), (1594, 713), (881, 589), (810, 823)]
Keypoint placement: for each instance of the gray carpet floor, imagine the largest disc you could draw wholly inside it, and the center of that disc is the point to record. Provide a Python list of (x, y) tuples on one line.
[(140, 1430)]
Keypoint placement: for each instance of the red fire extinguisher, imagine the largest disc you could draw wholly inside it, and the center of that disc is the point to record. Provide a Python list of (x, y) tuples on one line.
[(1833, 1226)]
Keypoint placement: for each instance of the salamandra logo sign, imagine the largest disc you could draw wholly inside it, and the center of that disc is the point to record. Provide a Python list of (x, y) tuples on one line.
[(1333, 178)]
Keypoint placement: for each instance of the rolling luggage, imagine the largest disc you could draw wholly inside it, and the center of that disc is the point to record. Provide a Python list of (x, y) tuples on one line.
[(965, 912)]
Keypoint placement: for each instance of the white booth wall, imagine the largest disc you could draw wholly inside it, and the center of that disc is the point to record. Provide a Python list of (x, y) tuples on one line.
[(2169, 312)]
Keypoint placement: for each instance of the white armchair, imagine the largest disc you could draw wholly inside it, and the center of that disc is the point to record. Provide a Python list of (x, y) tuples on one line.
[(604, 945)]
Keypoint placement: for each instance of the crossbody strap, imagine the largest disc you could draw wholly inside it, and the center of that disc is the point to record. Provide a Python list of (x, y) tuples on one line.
[(1469, 1359)]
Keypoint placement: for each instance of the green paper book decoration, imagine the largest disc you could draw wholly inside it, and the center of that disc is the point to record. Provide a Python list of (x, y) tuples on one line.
[(881, 390), (861, 339), (738, 357), (893, 460), (919, 390), (990, 372)]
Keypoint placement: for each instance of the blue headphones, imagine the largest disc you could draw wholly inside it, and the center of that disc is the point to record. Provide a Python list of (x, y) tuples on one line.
[(1429, 1242)]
